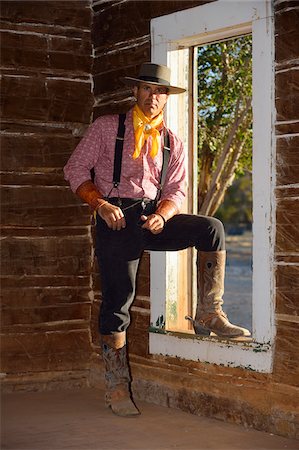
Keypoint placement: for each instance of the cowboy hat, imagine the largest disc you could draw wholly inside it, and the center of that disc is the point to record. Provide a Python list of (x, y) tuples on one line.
[(154, 74)]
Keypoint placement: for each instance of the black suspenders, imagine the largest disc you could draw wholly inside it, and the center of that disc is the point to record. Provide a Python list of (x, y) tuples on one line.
[(119, 144), (166, 156)]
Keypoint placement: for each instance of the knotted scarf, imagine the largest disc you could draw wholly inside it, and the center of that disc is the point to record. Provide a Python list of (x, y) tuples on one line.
[(143, 128)]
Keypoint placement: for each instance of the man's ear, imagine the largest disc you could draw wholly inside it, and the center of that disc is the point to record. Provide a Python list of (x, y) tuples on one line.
[(135, 90)]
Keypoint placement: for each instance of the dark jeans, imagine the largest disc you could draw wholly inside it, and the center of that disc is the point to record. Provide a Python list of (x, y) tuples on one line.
[(118, 254)]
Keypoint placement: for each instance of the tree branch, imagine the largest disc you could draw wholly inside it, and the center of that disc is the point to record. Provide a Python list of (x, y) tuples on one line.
[(215, 185)]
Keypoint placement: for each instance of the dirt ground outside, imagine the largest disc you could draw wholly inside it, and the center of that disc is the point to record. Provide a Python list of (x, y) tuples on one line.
[(238, 281)]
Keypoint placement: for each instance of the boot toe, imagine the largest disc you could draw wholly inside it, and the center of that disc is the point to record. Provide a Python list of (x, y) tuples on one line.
[(233, 331), (220, 325), (120, 402), (230, 330), (124, 408)]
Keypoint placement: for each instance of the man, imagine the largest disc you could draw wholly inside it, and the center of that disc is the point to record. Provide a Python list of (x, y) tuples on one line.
[(131, 217)]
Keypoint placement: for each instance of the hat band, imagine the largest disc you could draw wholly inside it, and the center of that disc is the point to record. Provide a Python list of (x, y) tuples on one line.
[(155, 80)]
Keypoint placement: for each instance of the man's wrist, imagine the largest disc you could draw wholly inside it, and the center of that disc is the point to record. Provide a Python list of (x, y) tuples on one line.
[(167, 209), (98, 203), (163, 218)]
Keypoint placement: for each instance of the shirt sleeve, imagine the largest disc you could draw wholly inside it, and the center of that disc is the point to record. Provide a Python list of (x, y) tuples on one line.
[(175, 185), (84, 158)]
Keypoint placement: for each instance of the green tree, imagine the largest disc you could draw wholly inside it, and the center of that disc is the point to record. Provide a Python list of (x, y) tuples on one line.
[(225, 118), (237, 205)]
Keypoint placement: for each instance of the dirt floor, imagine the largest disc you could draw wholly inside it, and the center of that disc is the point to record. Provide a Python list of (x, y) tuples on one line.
[(78, 420)]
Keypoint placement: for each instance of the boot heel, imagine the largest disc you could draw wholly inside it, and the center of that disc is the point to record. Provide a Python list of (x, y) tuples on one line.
[(198, 329), (201, 331)]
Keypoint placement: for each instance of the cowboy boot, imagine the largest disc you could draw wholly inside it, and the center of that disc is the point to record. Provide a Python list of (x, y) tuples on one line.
[(209, 314), (117, 376)]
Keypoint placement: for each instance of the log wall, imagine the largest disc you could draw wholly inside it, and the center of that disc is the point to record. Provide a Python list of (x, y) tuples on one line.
[(46, 245), (287, 191)]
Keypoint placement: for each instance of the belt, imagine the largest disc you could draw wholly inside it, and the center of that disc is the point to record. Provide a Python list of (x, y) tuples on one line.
[(126, 203)]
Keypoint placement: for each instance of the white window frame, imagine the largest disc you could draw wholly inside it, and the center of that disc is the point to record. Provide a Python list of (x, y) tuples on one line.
[(171, 35)]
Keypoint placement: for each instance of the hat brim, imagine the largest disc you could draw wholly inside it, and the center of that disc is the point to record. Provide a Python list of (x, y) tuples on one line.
[(171, 89)]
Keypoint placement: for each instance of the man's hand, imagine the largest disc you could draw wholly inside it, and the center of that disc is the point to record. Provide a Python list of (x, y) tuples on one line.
[(154, 223), (113, 216)]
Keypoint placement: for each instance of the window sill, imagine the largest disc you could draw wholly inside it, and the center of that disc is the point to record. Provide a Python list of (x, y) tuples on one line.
[(237, 352)]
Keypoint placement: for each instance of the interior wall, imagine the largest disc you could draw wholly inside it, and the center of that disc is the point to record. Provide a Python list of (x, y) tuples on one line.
[(49, 299), (46, 246)]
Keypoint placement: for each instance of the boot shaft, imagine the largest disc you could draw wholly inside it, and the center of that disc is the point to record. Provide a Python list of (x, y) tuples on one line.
[(116, 361), (211, 273), (209, 314)]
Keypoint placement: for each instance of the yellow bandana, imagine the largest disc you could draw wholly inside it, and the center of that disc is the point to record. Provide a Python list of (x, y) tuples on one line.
[(143, 128)]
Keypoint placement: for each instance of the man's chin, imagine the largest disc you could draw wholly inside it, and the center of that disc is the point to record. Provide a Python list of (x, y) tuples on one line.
[(151, 111)]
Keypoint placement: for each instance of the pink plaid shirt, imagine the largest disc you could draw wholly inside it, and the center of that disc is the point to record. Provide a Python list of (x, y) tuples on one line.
[(139, 177)]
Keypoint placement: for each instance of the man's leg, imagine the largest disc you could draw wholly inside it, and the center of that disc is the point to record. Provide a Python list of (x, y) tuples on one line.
[(118, 277), (206, 234), (118, 255)]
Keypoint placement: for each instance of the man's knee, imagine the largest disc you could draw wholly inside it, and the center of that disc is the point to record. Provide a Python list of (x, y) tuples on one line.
[(218, 234), (215, 235)]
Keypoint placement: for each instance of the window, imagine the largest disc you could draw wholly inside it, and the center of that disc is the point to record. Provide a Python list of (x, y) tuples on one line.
[(172, 295)]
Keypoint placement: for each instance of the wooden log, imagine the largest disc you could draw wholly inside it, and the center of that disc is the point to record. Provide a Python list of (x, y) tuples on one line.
[(35, 152), (44, 281), (45, 351), (287, 95), (46, 231), (28, 206), (291, 127), (77, 15), (51, 256), (287, 34), (286, 360), (287, 160), (41, 381), (19, 127), (287, 231), (29, 319), (44, 297), (287, 288), (24, 50), (46, 99)]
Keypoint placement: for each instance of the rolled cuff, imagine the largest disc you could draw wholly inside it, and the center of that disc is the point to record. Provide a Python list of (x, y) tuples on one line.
[(177, 199)]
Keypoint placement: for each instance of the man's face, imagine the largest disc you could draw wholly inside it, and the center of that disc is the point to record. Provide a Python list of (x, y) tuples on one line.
[(151, 99)]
